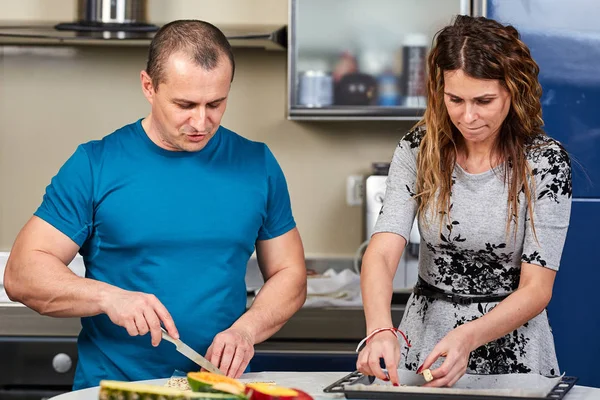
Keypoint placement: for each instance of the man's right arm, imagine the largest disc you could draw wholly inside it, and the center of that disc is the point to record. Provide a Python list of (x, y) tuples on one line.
[(37, 275)]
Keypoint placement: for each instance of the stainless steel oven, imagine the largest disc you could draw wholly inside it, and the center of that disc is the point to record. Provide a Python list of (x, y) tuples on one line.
[(35, 368), (38, 354)]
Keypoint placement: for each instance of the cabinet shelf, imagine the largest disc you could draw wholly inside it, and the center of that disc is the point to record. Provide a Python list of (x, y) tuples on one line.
[(337, 113), (357, 52)]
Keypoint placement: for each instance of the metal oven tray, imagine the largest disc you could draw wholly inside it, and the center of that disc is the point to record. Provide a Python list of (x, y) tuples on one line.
[(557, 393)]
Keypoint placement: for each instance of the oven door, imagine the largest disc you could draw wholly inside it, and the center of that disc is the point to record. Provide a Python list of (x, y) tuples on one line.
[(35, 368)]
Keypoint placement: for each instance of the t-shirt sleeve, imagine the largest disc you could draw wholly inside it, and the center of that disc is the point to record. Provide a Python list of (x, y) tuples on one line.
[(399, 205), (279, 218), (551, 209), (68, 202)]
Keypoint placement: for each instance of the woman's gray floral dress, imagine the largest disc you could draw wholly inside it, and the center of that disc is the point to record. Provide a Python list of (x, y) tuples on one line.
[(474, 255)]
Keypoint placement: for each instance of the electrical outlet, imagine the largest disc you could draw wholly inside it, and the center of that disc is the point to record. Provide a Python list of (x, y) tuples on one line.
[(355, 189)]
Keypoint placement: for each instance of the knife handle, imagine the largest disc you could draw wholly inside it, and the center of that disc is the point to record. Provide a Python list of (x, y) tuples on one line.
[(167, 337)]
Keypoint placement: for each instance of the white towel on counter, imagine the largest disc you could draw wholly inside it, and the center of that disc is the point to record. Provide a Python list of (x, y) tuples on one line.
[(334, 289)]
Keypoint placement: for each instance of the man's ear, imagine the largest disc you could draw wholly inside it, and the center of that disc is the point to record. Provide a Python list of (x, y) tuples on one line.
[(147, 86)]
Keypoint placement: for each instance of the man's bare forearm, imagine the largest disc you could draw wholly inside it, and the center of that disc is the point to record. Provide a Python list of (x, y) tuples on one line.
[(280, 297), (45, 284)]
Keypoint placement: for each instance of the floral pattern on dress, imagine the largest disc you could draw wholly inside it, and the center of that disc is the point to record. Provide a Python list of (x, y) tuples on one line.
[(413, 138), (501, 356), (473, 272), (553, 168)]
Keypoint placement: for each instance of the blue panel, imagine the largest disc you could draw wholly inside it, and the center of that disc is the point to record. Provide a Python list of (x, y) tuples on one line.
[(574, 311), (564, 38)]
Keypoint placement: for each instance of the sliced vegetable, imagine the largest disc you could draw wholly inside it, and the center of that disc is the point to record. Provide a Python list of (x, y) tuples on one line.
[(213, 383), (116, 390), (261, 391)]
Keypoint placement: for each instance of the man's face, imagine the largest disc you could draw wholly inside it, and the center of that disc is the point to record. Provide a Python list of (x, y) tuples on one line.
[(188, 105)]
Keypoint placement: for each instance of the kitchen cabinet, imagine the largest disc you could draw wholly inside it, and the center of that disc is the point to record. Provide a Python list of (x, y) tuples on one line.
[(362, 60), (317, 339), (304, 362)]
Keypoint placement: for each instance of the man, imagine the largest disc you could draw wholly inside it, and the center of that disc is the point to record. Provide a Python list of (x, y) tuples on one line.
[(166, 213)]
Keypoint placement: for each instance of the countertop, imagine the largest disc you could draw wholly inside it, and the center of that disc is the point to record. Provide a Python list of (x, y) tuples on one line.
[(311, 382)]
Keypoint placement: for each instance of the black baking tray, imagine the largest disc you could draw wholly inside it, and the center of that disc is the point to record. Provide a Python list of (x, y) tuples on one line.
[(557, 393)]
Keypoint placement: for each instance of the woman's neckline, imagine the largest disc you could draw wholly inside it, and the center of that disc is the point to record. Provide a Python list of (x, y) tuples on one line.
[(493, 170)]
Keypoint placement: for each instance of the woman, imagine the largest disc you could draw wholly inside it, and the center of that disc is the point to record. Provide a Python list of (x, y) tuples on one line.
[(493, 195)]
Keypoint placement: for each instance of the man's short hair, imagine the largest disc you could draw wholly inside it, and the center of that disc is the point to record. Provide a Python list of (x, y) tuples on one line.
[(204, 42)]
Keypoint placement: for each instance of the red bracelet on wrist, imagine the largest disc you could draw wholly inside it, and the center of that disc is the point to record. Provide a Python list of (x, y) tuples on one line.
[(395, 331)]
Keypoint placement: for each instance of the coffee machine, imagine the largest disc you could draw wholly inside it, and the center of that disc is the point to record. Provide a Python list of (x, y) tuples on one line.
[(408, 268)]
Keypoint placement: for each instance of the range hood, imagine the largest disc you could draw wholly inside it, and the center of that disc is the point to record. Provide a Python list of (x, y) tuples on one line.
[(123, 23), (43, 34)]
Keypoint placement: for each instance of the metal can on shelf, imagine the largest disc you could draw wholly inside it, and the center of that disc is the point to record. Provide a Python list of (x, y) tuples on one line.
[(414, 69), (315, 89)]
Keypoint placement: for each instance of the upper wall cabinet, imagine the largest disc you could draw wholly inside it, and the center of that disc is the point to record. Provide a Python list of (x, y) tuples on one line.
[(362, 59)]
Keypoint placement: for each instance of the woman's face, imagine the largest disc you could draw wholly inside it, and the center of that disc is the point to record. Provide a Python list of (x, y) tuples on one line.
[(477, 107)]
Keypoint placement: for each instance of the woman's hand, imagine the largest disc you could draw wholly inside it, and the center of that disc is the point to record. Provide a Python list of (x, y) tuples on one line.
[(456, 346), (382, 345)]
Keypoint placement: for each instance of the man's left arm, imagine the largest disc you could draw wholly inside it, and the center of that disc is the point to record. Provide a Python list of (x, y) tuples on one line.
[(281, 261)]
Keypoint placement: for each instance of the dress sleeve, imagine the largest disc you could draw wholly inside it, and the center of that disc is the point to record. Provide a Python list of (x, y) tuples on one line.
[(279, 218), (68, 202), (399, 205), (551, 209)]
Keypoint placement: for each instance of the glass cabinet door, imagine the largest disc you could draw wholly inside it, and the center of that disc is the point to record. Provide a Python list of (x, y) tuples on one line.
[(362, 59)]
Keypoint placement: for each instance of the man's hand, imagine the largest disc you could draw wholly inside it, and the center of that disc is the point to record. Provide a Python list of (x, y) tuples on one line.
[(139, 313), (231, 351)]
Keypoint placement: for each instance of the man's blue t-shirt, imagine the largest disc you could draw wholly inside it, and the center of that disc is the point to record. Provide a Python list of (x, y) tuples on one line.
[(179, 225)]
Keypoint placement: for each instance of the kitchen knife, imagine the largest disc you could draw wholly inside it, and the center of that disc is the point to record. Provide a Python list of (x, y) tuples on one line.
[(190, 353)]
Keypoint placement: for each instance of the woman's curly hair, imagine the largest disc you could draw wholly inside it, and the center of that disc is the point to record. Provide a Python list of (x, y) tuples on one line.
[(483, 49)]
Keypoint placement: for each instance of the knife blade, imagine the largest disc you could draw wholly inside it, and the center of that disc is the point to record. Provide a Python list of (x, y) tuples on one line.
[(190, 353)]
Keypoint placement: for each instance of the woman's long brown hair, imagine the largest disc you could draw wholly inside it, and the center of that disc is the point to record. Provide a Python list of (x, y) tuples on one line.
[(483, 49)]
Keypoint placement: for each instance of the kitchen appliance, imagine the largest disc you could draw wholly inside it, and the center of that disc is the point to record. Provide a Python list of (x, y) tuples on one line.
[(564, 39), (110, 15), (35, 368), (38, 353), (123, 23), (408, 268)]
